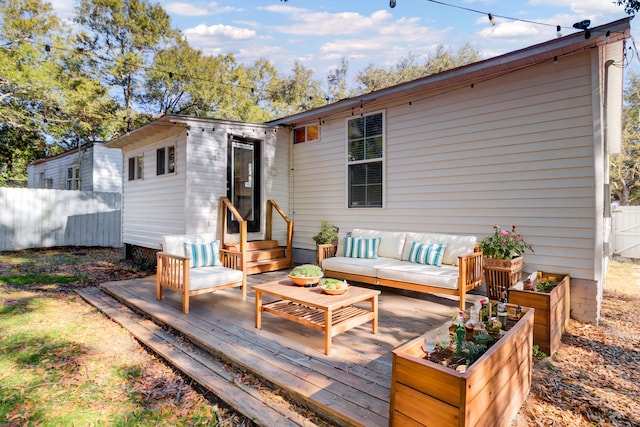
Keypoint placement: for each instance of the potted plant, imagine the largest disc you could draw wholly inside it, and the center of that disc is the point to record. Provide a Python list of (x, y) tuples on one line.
[(326, 240), (306, 274), (328, 233), (503, 254)]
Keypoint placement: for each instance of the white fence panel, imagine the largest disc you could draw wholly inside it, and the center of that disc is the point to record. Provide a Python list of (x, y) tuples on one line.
[(40, 218), (626, 231)]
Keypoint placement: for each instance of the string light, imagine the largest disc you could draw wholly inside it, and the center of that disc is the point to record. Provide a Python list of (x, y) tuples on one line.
[(492, 16)]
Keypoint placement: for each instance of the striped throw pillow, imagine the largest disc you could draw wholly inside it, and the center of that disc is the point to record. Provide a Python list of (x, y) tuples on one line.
[(427, 253), (357, 247), (203, 254)]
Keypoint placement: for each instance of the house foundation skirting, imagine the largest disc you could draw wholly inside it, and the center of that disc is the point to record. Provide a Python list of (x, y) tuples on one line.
[(141, 256)]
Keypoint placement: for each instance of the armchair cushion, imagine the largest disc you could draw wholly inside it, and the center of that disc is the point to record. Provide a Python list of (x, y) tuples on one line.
[(210, 277), (203, 254)]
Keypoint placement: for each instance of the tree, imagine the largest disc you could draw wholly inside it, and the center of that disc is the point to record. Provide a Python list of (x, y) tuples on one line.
[(123, 34), (624, 169), (337, 80), (26, 70), (630, 6), (295, 93), (375, 78), (18, 147)]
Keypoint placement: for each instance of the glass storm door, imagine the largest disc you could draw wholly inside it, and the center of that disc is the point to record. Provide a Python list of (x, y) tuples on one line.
[(243, 182)]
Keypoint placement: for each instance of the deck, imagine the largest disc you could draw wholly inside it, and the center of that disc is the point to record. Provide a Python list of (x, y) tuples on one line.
[(349, 387)]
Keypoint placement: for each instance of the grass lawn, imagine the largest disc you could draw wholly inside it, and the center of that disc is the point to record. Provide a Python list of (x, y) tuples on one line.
[(63, 363)]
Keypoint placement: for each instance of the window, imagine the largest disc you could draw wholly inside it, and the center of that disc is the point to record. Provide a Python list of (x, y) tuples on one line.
[(73, 178), (365, 161), (166, 160), (306, 134), (135, 168)]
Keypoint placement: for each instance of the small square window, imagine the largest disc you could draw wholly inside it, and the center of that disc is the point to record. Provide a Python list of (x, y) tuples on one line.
[(306, 134)]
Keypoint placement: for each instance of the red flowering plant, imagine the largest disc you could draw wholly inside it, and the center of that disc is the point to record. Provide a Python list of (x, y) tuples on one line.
[(504, 244)]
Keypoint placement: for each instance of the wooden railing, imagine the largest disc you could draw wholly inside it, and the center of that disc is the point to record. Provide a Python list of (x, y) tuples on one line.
[(225, 207), (271, 205)]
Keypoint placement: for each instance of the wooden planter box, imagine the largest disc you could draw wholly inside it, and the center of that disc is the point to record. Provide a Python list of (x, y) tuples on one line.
[(501, 274), (489, 393), (552, 313)]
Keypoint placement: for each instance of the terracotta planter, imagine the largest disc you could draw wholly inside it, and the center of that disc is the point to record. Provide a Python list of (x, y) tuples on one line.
[(552, 313), (501, 274), (489, 393)]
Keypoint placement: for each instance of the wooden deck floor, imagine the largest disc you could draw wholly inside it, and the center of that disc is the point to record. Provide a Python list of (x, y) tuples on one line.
[(349, 387)]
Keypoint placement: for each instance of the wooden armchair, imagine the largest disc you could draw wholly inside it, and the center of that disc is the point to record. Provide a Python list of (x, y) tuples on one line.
[(174, 269)]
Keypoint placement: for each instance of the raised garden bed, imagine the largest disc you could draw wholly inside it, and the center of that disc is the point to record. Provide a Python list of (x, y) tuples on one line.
[(552, 308), (489, 393)]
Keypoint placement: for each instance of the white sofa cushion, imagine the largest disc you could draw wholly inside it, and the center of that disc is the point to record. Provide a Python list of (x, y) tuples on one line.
[(445, 276), (360, 266), (391, 242), (456, 245), (208, 277), (174, 244)]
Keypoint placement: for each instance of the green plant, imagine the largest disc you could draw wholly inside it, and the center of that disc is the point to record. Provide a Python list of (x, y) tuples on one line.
[(504, 244), (328, 233), (545, 286), (306, 270), (537, 353)]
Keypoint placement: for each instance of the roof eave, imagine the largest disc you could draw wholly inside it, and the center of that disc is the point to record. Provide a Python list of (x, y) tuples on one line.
[(576, 42)]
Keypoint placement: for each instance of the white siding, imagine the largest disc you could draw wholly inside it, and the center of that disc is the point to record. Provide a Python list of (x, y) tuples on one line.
[(517, 149), (100, 169), (154, 205), (207, 174), (55, 169), (188, 201), (107, 169)]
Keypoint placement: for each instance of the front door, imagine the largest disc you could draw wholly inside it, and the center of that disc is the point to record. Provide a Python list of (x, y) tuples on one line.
[(243, 181)]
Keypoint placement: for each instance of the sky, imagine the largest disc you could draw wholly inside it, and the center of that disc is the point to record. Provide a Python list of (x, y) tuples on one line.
[(320, 33)]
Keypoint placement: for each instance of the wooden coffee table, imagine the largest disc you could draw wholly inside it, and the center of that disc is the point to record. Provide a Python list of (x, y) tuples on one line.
[(332, 314)]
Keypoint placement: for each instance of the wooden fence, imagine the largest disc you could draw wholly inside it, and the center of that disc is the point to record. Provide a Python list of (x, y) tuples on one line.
[(625, 230), (42, 218)]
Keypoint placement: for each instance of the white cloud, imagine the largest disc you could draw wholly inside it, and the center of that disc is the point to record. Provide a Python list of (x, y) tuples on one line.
[(185, 9), (321, 24), (219, 30), (511, 30)]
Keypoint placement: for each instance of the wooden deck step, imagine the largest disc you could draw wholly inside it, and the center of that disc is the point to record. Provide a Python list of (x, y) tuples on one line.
[(202, 367), (255, 245), (266, 254), (263, 266)]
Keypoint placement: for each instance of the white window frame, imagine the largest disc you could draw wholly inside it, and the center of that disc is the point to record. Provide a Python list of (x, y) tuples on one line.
[(168, 167), (73, 177), (349, 163), (306, 133), (138, 168)]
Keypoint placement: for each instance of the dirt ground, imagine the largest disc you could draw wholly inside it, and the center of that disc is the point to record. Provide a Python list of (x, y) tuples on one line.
[(592, 380)]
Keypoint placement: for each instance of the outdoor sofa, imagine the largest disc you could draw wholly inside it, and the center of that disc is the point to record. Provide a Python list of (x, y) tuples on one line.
[(193, 264), (423, 262)]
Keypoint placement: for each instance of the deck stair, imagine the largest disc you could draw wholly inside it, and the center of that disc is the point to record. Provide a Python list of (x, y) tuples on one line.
[(264, 255), (259, 256)]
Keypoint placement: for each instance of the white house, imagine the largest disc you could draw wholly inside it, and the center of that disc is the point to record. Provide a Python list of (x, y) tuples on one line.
[(91, 167), (522, 138), (176, 169)]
